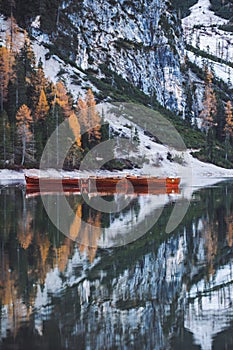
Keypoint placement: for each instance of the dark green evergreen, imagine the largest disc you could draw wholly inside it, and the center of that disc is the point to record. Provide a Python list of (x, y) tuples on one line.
[(183, 6), (5, 141)]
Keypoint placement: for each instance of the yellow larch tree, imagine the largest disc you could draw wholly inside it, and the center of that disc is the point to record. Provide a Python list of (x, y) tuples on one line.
[(229, 230), (94, 121), (208, 114), (42, 107), (5, 73), (13, 42), (228, 129), (75, 127), (62, 99), (209, 110), (81, 109)]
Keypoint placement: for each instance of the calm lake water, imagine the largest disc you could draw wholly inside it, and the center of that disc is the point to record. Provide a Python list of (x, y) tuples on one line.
[(162, 291)]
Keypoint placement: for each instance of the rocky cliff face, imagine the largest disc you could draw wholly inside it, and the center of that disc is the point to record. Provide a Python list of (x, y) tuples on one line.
[(140, 40)]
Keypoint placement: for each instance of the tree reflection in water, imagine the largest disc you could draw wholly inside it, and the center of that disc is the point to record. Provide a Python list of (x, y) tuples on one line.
[(159, 292)]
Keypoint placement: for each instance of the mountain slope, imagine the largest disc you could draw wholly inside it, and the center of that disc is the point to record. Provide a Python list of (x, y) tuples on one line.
[(137, 52), (208, 44), (141, 41)]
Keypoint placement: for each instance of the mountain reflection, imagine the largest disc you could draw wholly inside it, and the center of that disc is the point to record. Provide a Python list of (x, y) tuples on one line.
[(159, 292)]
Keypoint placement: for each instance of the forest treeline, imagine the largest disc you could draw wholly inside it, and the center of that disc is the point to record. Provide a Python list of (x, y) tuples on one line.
[(32, 107), (25, 10)]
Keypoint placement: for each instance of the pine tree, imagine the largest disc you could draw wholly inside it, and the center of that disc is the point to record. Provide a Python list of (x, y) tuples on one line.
[(228, 127), (28, 58), (19, 83), (7, 58), (220, 120), (22, 76), (39, 83), (40, 125), (5, 138), (13, 36), (25, 136), (52, 122)]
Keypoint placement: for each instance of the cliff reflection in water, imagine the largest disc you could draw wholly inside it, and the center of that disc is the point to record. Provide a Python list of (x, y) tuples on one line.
[(161, 291)]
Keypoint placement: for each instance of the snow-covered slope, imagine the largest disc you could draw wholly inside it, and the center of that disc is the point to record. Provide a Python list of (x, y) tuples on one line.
[(156, 154), (193, 172), (201, 30), (141, 41), (54, 67)]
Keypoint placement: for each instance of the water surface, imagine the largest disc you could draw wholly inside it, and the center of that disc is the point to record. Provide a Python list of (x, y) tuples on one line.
[(162, 291)]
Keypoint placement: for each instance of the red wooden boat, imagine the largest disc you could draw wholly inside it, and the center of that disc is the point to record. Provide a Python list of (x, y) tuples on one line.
[(172, 181), (152, 181), (44, 182), (113, 184)]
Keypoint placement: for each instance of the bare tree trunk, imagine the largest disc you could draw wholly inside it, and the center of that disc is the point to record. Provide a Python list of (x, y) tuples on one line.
[(57, 138), (4, 139), (1, 82), (24, 144)]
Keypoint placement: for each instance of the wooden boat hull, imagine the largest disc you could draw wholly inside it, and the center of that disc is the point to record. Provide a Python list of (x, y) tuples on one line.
[(172, 181), (153, 181), (33, 182), (116, 184)]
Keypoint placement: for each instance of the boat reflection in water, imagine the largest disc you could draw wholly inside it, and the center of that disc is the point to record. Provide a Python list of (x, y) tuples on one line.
[(163, 291), (112, 184), (136, 206)]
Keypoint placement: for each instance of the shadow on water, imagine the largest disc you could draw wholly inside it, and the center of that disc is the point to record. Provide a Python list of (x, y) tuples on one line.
[(163, 291)]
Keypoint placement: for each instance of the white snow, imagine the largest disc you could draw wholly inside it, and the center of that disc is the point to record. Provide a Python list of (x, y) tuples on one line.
[(201, 14), (201, 29), (221, 70), (36, 22), (53, 65)]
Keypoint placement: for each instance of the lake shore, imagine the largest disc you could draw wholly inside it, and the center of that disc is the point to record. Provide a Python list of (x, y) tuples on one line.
[(194, 173)]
